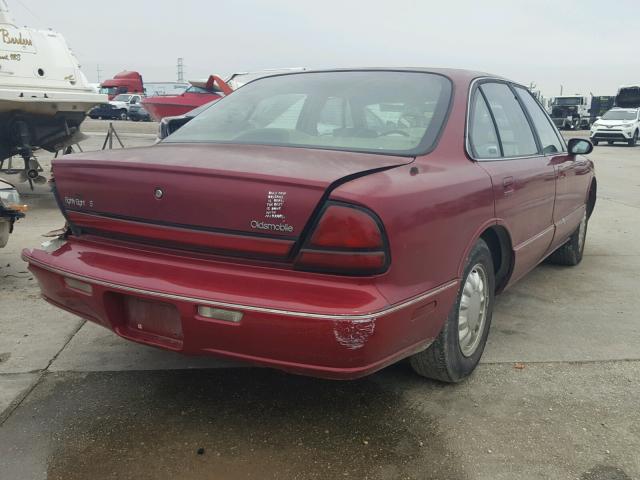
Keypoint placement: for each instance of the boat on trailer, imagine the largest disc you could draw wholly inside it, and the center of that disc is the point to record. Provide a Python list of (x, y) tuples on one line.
[(44, 96), (198, 93)]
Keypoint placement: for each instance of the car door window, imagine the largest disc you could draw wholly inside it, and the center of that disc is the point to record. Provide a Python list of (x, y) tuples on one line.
[(482, 132), (546, 132), (516, 136)]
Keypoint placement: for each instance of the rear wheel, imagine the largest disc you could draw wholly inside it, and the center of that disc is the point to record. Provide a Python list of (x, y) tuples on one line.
[(633, 140), (570, 253), (122, 115), (595, 143), (458, 348), (609, 142)]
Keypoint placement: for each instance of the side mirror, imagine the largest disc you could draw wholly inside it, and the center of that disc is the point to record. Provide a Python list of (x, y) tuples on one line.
[(580, 146)]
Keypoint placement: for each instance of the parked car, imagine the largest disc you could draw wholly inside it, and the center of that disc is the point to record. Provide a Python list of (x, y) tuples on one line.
[(11, 210), (168, 125), (124, 102), (137, 113), (617, 125), (326, 223), (106, 111)]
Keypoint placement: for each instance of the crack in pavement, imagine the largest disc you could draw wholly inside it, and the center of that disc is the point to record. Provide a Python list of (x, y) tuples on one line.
[(13, 406)]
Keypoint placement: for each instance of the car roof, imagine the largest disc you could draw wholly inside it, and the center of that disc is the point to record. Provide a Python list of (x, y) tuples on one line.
[(455, 74)]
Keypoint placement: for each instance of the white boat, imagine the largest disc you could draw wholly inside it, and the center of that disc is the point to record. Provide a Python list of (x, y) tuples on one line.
[(44, 96)]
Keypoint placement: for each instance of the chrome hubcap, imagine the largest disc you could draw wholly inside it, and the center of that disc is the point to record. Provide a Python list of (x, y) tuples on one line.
[(582, 232), (473, 310)]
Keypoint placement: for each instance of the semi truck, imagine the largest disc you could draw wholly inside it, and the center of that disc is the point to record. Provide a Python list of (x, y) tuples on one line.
[(600, 104), (123, 82), (628, 96), (571, 112)]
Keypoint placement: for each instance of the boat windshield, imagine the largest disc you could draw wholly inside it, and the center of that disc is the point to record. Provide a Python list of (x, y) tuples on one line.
[(393, 112), (193, 89)]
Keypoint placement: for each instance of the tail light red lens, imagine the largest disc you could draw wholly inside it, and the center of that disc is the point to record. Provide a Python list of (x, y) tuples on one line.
[(347, 240), (346, 227)]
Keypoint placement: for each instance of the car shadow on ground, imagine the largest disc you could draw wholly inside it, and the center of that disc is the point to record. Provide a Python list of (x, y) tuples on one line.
[(234, 423)]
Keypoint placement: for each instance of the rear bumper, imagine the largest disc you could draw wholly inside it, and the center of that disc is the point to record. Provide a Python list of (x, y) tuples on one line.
[(310, 324)]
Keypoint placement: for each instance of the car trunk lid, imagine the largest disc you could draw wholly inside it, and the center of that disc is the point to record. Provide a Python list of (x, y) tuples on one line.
[(242, 199)]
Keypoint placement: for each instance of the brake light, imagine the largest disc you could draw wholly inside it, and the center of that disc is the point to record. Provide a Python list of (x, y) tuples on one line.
[(346, 227), (348, 240)]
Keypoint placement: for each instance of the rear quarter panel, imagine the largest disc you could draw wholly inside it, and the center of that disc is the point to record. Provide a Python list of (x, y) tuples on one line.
[(433, 209), (432, 212)]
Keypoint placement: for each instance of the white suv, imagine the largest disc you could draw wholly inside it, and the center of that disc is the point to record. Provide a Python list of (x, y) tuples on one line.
[(617, 125)]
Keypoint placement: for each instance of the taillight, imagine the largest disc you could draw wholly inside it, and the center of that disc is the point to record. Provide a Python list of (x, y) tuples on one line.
[(348, 240)]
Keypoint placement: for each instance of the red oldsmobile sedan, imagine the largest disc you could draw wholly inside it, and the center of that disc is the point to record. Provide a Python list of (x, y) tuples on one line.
[(325, 223)]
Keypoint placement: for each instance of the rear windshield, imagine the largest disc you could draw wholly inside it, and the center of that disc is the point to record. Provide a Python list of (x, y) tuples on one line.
[(371, 111), (562, 101)]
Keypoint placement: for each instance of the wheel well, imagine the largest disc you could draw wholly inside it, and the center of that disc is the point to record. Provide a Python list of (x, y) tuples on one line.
[(591, 198), (499, 242)]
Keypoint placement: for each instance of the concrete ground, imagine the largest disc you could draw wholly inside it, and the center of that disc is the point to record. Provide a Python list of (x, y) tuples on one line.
[(77, 402)]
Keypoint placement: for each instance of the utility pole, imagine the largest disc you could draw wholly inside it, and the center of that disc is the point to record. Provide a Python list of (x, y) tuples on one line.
[(180, 69), (99, 71), (560, 90)]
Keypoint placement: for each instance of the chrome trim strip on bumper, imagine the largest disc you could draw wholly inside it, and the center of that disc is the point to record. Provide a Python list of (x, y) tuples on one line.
[(248, 308)]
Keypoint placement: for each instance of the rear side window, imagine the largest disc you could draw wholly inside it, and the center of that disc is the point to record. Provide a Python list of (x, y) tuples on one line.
[(547, 134), (515, 132), (482, 132)]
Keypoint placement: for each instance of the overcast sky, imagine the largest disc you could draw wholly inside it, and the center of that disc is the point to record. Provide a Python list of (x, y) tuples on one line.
[(583, 45)]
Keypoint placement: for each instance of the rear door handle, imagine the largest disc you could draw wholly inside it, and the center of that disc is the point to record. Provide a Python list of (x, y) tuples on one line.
[(508, 185)]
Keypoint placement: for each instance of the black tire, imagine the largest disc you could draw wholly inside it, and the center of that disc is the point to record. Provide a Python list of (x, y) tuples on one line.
[(122, 115), (570, 253), (444, 360), (632, 142), (609, 142), (595, 142)]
